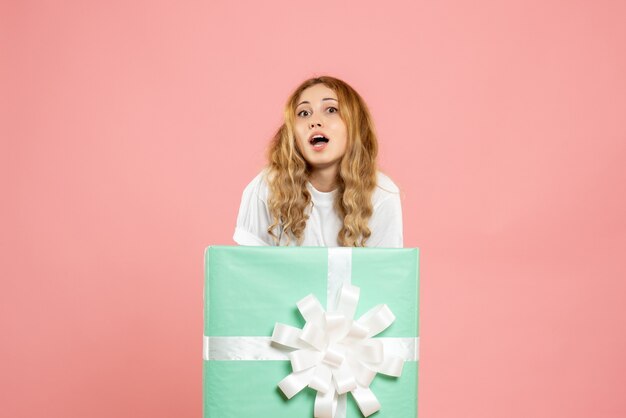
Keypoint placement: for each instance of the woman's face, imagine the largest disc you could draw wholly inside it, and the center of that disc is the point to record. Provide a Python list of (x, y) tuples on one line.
[(321, 134)]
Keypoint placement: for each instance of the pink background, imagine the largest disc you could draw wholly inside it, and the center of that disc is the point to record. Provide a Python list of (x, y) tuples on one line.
[(129, 130)]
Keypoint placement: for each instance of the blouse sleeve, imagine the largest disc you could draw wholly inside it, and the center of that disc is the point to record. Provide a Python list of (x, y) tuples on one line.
[(253, 218), (386, 224)]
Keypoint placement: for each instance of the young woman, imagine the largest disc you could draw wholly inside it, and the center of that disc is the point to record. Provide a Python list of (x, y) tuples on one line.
[(321, 186)]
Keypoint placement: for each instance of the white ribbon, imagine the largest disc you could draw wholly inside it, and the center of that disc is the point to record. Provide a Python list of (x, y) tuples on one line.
[(334, 354), (261, 348)]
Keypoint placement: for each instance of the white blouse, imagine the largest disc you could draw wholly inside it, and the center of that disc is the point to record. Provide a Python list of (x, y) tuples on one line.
[(323, 224)]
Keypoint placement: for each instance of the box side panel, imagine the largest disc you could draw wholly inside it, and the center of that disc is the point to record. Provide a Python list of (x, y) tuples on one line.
[(397, 396), (205, 290), (389, 276), (252, 288), (242, 389)]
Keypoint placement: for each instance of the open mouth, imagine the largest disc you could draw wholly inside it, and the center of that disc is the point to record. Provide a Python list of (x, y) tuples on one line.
[(318, 139)]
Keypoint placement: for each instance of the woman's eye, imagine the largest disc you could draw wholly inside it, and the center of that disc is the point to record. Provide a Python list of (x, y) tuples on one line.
[(303, 111), (334, 109)]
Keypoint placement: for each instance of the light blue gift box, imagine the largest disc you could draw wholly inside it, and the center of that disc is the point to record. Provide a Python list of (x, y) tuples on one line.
[(250, 289)]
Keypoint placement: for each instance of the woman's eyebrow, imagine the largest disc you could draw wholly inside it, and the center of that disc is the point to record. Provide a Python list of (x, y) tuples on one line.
[(326, 98)]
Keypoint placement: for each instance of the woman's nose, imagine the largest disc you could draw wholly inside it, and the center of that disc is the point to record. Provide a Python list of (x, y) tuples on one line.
[(314, 124)]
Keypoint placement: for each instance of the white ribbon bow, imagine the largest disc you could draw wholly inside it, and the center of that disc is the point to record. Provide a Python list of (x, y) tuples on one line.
[(335, 354)]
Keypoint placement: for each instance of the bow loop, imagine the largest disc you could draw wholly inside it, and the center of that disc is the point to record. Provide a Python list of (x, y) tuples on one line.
[(377, 319), (311, 310)]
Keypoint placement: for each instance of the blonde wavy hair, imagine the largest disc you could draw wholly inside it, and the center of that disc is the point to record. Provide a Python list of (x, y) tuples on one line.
[(288, 171)]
